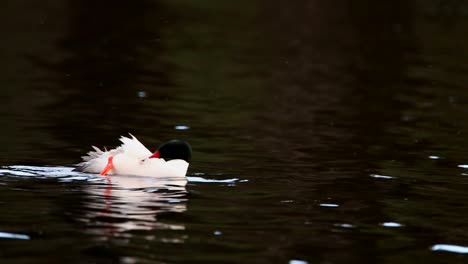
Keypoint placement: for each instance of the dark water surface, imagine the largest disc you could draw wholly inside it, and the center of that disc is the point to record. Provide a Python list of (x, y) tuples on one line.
[(322, 132)]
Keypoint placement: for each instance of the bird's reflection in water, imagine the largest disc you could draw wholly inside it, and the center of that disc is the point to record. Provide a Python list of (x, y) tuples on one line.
[(131, 203)]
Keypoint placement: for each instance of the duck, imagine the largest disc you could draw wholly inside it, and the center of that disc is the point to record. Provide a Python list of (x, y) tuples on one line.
[(171, 159)]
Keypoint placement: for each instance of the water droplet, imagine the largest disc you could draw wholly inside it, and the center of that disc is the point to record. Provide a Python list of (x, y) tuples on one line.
[(434, 157), (141, 94), (217, 233), (463, 166)]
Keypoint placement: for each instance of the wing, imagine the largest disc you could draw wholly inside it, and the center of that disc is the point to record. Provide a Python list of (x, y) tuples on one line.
[(133, 148), (96, 160)]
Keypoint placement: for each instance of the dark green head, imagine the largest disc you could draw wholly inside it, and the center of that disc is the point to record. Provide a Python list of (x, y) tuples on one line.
[(174, 149)]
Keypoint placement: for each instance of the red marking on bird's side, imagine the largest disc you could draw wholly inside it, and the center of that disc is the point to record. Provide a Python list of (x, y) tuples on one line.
[(109, 166)]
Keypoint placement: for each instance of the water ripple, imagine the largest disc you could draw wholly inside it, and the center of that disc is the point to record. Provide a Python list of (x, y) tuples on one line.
[(68, 174), (115, 205)]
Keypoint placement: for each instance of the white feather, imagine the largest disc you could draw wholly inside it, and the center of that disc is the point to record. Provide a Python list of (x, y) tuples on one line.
[(133, 147)]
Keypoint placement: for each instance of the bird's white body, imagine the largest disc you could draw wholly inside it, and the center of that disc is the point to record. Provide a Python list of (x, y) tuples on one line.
[(132, 158)]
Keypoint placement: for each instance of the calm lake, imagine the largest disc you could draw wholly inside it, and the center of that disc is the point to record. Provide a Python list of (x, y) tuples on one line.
[(321, 132)]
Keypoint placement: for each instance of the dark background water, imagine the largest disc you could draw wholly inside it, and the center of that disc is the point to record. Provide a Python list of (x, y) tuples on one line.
[(306, 100)]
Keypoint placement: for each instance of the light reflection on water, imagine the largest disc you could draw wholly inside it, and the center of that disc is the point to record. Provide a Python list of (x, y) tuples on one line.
[(450, 248), (126, 203), (13, 236)]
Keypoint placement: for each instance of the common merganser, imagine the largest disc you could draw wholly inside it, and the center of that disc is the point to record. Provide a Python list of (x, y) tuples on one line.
[(133, 158)]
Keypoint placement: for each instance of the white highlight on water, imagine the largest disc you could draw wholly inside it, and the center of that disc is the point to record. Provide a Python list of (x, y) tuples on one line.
[(377, 176), (328, 205), (181, 127), (345, 225), (14, 236), (17, 173), (200, 179), (450, 248), (391, 224), (297, 261)]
